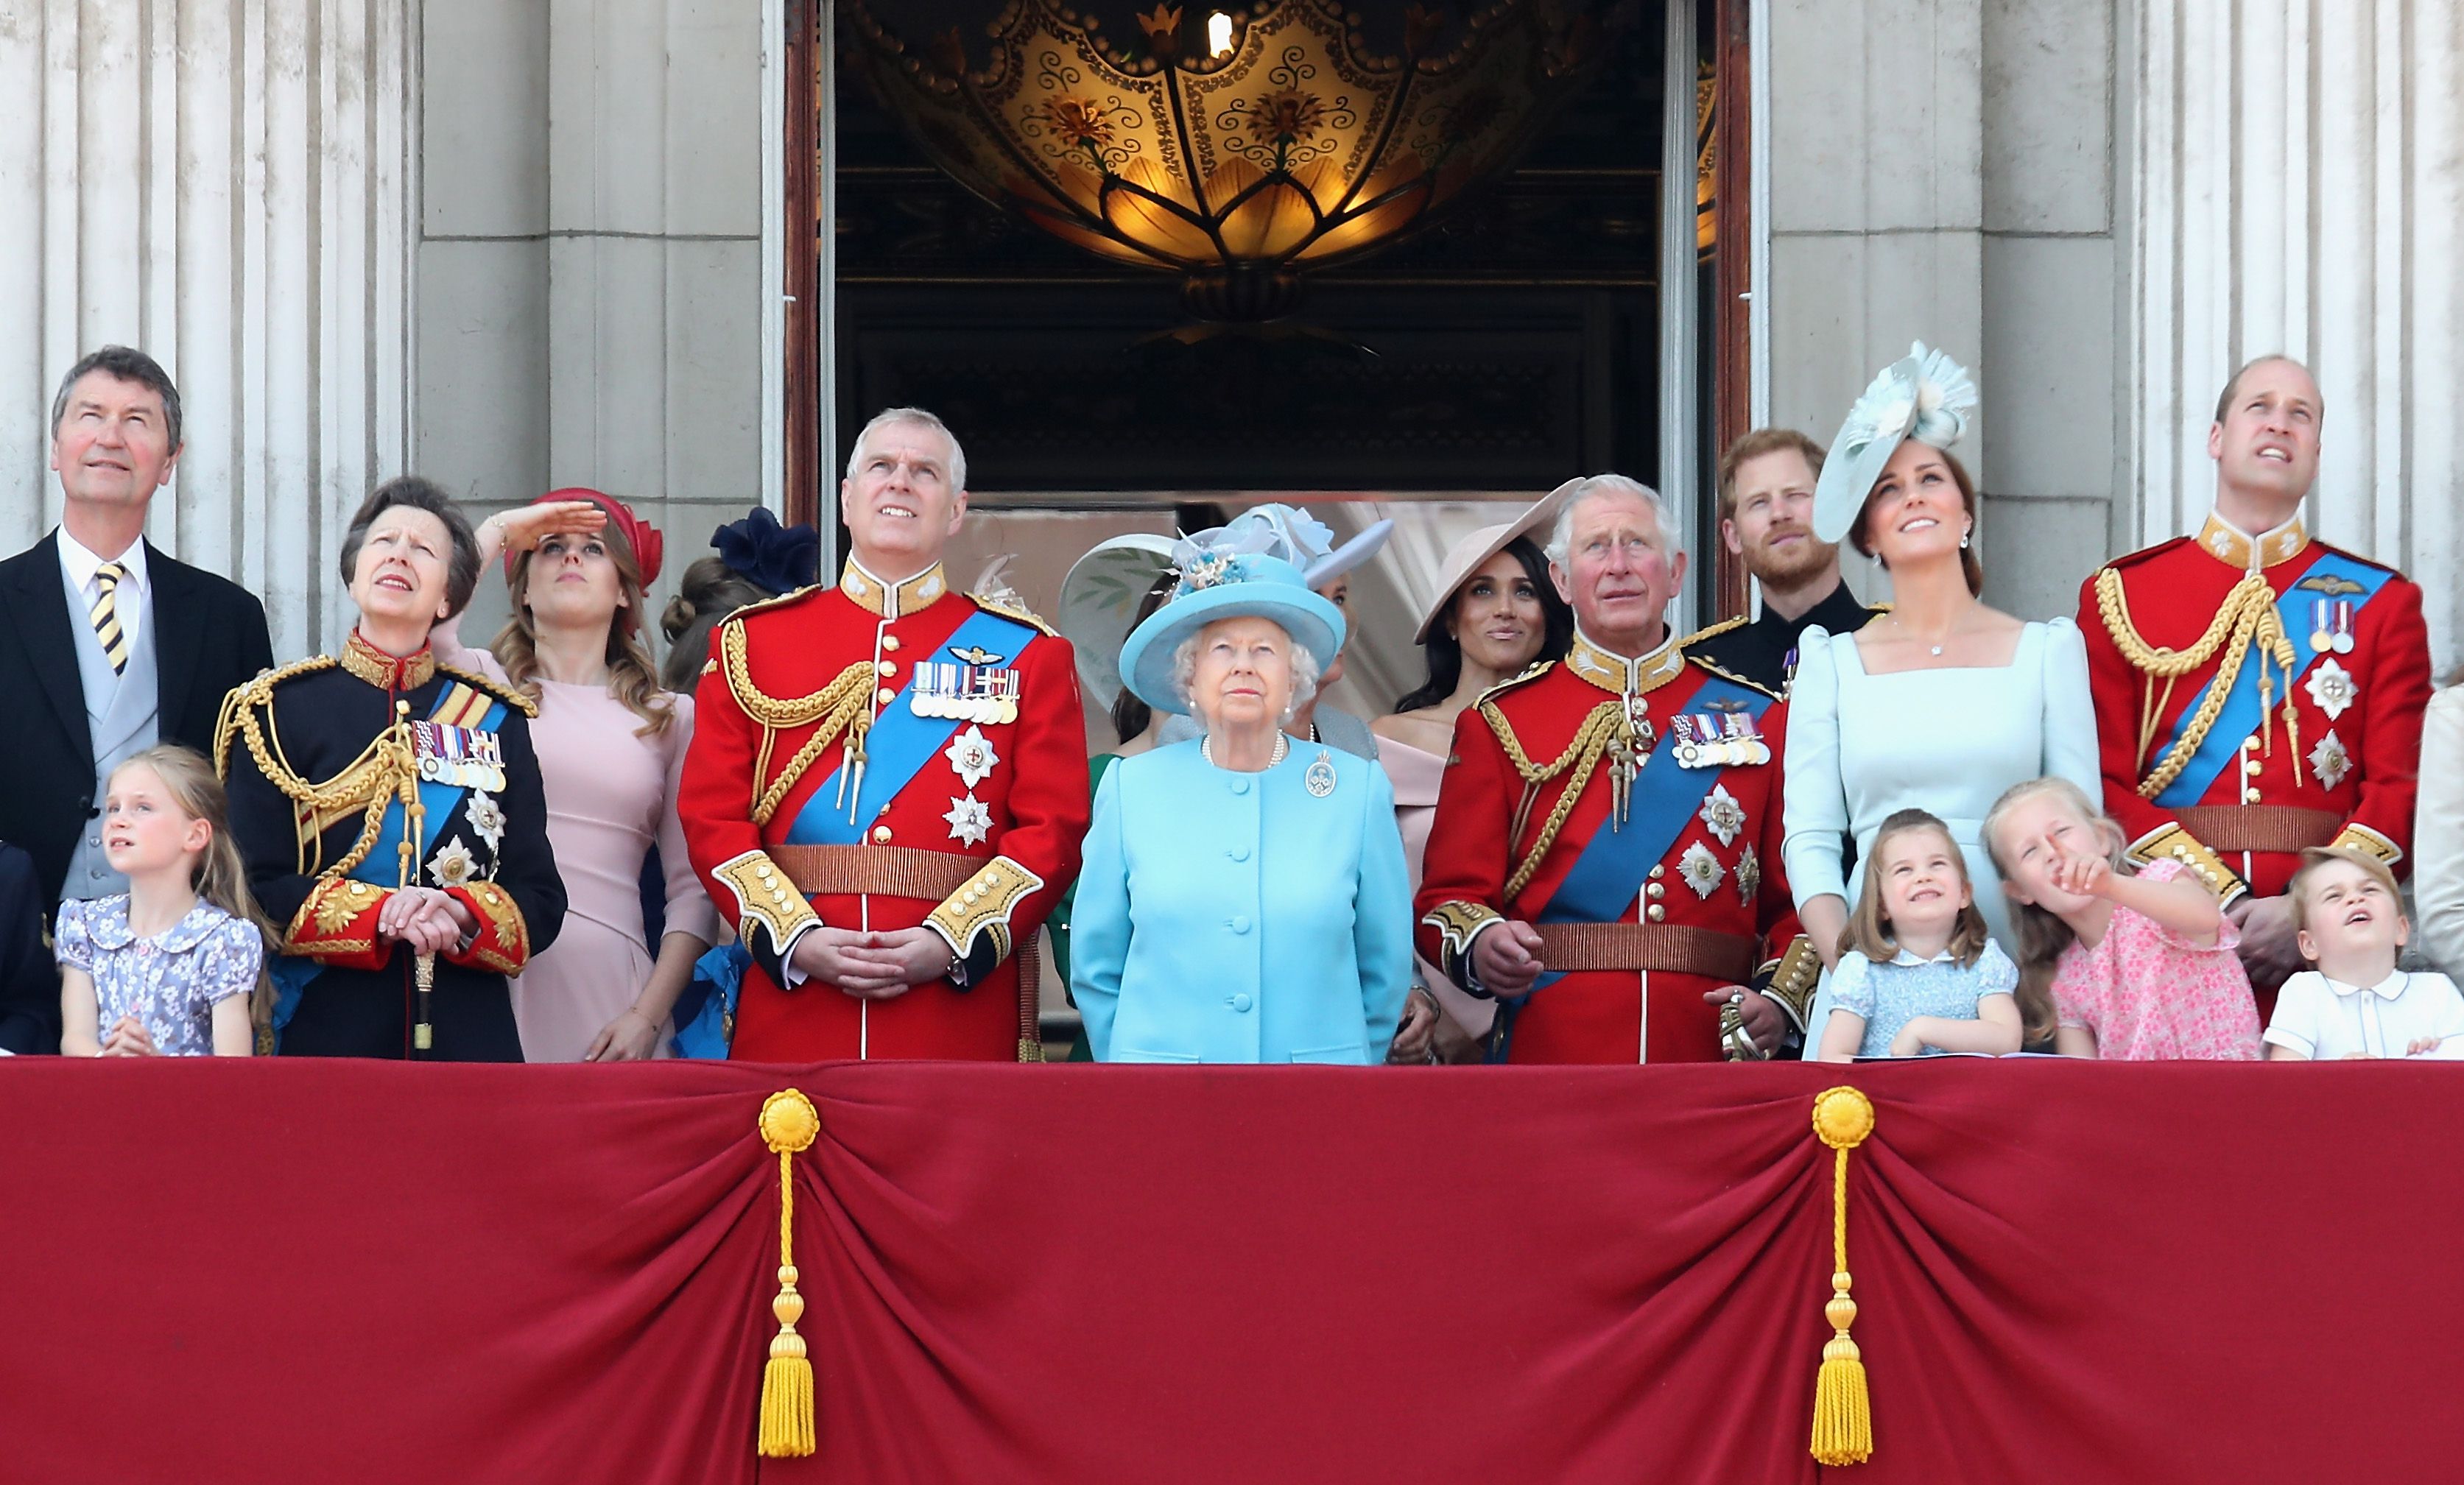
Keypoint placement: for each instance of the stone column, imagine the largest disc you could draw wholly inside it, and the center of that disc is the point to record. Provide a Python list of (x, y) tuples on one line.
[(225, 183), (2300, 169)]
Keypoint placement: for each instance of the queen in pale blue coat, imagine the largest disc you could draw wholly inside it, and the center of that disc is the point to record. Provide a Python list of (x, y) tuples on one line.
[(1244, 899)]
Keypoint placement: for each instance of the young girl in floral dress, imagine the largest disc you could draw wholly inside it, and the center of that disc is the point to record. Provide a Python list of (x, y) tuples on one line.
[(2114, 964), (174, 966)]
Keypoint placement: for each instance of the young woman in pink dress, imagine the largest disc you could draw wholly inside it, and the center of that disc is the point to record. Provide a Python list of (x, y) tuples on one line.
[(610, 745), (1494, 614)]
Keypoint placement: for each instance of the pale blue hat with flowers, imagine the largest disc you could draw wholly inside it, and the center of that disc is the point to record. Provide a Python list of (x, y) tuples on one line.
[(1227, 574), (1925, 396)]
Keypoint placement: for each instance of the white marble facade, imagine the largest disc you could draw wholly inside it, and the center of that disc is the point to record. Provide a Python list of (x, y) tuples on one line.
[(518, 244)]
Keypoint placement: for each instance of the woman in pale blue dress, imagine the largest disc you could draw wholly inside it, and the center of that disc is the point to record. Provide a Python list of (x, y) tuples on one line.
[(1942, 703)]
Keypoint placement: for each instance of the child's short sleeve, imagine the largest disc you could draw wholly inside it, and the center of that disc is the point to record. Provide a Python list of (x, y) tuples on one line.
[(2295, 1026), (229, 961), (1995, 973), (1852, 985), (2165, 869), (71, 945)]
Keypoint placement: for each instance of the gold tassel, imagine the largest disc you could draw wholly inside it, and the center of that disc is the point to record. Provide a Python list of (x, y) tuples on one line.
[(788, 1126), (1843, 1423)]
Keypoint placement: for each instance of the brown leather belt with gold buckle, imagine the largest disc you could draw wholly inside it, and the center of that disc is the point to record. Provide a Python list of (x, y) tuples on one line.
[(1661, 948), (2228, 829), (874, 870)]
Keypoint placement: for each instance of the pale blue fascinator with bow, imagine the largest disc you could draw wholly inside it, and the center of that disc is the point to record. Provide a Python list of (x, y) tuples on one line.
[(1925, 396)]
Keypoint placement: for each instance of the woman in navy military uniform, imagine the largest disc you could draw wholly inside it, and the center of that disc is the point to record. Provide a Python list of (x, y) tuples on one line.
[(1243, 897), (390, 812)]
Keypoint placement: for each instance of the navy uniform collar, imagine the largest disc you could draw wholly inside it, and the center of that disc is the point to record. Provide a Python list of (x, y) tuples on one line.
[(384, 671)]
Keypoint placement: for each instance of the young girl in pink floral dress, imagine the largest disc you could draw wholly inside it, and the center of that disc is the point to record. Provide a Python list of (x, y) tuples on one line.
[(2117, 966)]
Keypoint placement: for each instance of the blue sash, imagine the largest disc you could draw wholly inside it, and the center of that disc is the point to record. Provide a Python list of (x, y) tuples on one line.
[(1614, 863), (2240, 717), (382, 866), (900, 743)]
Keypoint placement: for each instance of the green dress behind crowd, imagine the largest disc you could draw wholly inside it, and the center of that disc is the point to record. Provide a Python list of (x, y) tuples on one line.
[(1057, 925)]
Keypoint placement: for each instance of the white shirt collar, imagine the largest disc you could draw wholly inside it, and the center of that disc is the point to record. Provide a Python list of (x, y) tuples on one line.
[(1943, 957), (79, 564), (2388, 989)]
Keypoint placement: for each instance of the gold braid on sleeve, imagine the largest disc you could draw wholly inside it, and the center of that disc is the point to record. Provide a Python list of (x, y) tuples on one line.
[(2246, 619), (1582, 756), (838, 707)]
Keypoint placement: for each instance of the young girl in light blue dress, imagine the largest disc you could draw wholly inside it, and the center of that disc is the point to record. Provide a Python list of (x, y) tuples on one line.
[(1919, 975), (174, 966)]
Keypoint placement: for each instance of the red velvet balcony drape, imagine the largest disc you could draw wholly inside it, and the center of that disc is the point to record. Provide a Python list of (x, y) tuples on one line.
[(279, 1271)]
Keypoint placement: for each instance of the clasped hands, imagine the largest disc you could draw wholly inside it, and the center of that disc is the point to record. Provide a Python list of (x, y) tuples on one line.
[(427, 920), (873, 966), (1505, 956)]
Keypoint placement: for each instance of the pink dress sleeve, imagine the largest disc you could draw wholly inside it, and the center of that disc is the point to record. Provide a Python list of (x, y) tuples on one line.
[(445, 640), (688, 905)]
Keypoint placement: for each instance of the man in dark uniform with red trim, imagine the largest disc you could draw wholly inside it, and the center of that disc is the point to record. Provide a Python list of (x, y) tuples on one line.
[(886, 787), (1605, 856), (2257, 691)]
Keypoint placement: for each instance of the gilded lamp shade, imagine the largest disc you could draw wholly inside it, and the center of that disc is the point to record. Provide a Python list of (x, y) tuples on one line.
[(1287, 147)]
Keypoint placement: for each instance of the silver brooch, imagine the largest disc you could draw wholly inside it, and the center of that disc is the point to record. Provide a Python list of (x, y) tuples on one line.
[(1320, 777)]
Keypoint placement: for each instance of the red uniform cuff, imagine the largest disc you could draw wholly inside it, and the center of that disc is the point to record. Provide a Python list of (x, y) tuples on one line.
[(502, 946), (338, 925)]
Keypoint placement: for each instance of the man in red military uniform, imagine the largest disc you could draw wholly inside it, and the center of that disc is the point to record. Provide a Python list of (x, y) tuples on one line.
[(2258, 691), (888, 786), (1605, 856)]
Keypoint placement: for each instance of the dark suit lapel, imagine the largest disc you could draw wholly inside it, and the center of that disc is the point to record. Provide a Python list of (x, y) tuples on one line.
[(38, 610), (177, 646)]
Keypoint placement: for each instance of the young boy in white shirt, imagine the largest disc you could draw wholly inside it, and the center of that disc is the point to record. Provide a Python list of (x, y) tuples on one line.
[(2353, 1001)]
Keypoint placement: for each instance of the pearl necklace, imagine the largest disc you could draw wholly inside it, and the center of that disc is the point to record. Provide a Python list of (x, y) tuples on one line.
[(1283, 746)]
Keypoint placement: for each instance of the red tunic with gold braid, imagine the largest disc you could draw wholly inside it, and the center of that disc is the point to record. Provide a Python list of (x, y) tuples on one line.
[(1713, 907), (976, 844), (2331, 758)]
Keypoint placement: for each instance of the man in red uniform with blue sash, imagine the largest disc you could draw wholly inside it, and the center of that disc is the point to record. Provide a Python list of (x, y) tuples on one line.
[(1605, 857), (886, 787), (2257, 691)]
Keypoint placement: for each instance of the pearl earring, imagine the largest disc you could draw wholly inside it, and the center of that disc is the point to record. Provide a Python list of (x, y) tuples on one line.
[(1962, 540)]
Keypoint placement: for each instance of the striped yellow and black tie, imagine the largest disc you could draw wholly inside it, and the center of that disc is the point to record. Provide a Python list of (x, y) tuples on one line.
[(105, 615)]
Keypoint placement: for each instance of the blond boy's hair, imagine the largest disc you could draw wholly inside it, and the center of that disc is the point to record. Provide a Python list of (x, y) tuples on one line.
[(2297, 892)]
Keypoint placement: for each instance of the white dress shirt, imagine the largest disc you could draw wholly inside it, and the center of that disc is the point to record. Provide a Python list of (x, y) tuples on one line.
[(133, 597), (2324, 1019)]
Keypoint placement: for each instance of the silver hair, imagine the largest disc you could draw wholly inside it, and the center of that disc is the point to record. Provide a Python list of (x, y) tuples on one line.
[(1304, 675), (916, 416), (1561, 535)]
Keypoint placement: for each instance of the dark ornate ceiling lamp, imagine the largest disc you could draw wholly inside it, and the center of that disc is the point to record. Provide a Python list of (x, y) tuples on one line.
[(1286, 149)]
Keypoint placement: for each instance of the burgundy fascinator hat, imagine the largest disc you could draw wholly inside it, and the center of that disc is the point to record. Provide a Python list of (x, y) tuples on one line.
[(648, 545)]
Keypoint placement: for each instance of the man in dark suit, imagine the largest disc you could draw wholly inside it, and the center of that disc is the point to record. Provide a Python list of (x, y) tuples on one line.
[(108, 646)]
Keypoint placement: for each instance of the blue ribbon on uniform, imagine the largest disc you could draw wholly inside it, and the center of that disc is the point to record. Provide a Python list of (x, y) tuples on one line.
[(1616, 864), (900, 743), (2239, 717), (382, 866)]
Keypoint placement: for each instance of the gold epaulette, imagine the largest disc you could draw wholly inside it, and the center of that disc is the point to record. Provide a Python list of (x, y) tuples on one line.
[(1730, 676), (493, 688), (1710, 629), (256, 691), (1009, 610), (763, 605), (1531, 673)]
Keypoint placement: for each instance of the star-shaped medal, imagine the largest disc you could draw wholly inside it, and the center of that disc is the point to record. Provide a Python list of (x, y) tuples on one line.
[(970, 754), (970, 821)]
